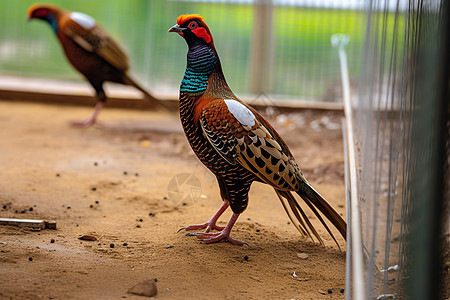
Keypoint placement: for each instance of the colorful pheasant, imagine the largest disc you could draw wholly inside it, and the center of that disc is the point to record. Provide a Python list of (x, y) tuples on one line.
[(90, 49), (237, 144)]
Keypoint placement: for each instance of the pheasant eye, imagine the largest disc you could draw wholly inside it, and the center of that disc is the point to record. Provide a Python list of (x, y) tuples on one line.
[(41, 13), (192, 25)]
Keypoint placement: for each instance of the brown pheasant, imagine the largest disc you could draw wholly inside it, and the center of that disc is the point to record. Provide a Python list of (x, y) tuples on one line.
[(91, 51), (237, 144)]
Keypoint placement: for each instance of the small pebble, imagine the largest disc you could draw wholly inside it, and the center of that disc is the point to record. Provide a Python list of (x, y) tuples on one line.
[(150, 214), (330, 291), (68, 207), (96, 202), (257, 230), (52, 241), (111, 245), (146, 288), (87, 238), (141, 220), (246, 258), (30, 258), (30, 209), (125, 244), (4, 206), (341, 290)]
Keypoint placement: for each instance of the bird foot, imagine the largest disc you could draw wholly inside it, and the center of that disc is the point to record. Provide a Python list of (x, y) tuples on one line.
[(208, 225), (209, 237), (82, 123)]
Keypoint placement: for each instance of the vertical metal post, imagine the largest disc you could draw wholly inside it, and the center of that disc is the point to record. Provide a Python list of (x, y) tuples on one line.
[(358, 292), (261, 49)]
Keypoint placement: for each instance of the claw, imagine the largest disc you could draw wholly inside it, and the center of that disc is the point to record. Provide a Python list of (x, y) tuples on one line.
[(182, 228)]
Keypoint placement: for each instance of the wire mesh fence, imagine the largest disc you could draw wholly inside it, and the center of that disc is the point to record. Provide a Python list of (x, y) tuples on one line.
[(401, 111), (292, 58)]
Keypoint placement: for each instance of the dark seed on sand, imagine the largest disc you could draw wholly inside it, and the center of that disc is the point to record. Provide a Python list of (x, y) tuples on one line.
[(96, 202), (52, 241), (68, 207), (246, 258), (30, 258), (91, 206), (125, 173), (22, 212), (341, 290), (141, 220), (169, 247), (30, 209), (96, 164), (93, 189), (125, 244), (330, 291), (111, 245), (136, 174), (150, 214), (257, 230), (57, 175), (4, 206)]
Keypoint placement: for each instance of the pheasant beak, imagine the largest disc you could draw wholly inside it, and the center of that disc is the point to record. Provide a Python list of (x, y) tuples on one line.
[(176, 28)]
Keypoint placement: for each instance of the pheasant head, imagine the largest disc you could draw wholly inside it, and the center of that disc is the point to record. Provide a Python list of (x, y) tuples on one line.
[(193, 29), (203, 70), (46, 12)]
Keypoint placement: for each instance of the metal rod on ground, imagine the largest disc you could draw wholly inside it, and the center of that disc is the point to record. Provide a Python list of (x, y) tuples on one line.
[(37, 224)]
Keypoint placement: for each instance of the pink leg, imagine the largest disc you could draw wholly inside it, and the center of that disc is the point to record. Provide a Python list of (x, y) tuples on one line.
[(211, 223), (222, 235), (92, 119)]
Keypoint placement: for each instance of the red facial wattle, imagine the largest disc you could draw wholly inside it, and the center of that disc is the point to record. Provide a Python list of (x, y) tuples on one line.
[(202, 33)]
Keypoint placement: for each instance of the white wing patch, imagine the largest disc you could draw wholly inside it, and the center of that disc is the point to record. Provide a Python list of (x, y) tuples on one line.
[(85, 21), (240, 112)]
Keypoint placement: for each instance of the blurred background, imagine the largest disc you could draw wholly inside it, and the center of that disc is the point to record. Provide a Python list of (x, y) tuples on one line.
[(398, 66), (279, 48)]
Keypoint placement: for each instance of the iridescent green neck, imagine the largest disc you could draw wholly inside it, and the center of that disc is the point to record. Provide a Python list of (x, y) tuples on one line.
[(201, 62)]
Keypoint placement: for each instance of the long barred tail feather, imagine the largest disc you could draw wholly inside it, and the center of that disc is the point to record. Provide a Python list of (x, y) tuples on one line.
[(316, 203)]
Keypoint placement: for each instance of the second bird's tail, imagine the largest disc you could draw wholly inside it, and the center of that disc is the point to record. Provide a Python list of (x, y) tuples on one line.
[(317, 204), (158, 103)]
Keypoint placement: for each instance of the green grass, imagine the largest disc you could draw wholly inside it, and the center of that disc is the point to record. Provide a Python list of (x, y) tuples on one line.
[(304, 63)]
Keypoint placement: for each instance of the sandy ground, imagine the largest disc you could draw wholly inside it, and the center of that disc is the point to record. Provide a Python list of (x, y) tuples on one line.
[(113, 181)]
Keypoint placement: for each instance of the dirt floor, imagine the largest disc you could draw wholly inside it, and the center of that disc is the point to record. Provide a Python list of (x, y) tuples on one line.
[(116, 181)]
